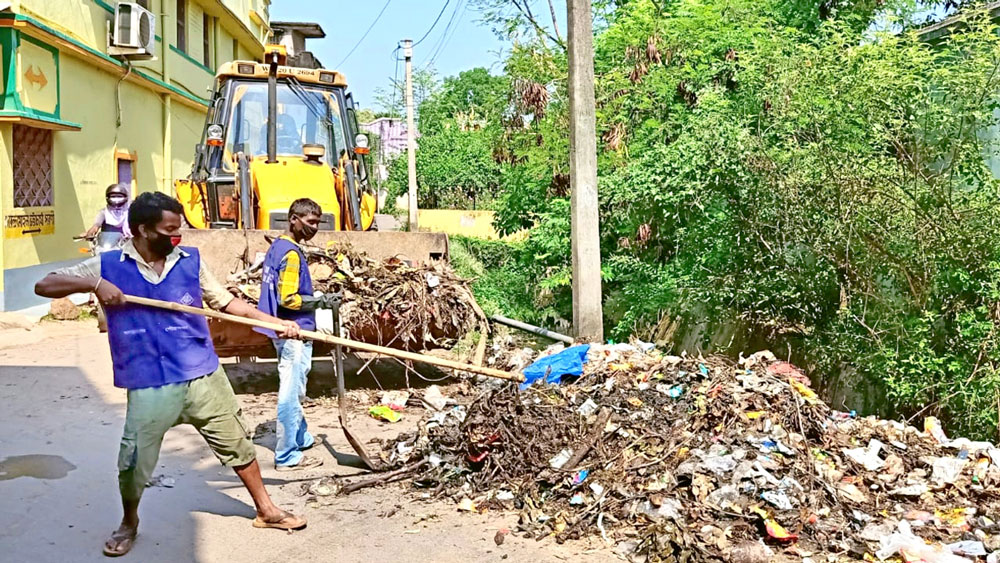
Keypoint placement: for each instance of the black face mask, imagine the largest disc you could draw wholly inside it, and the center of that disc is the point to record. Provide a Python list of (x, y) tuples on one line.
[(306, 230), (162, 245), (117, 201)]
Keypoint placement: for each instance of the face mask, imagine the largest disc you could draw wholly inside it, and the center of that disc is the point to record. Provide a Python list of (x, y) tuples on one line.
[(117, 201), (306, 230), (163, 245)]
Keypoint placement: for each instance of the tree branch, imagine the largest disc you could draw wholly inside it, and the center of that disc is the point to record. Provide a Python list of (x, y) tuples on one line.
[(523, 7), (555, 22)]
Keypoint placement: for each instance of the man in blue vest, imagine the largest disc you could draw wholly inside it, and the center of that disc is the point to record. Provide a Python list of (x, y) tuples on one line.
[(286, 292), (165, 359)]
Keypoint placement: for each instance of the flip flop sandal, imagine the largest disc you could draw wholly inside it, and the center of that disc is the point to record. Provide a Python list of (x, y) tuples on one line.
[(125, 544), (296, 523)]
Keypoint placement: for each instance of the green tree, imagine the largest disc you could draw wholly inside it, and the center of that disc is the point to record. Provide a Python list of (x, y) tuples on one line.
[(475, 98), (455, 170), (391, 99)]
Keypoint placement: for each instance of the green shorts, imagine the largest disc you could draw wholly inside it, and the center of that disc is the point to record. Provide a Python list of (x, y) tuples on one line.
[(207, 403)]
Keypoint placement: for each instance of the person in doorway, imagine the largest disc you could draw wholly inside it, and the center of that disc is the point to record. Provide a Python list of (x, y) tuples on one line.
[(165, 359), (286, 292), (114, 217)]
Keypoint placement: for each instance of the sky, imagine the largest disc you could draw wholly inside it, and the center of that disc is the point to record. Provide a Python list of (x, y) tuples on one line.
[(468, 43)]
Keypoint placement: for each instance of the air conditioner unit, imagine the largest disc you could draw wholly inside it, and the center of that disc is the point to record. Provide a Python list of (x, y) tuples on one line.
[(133, 34)]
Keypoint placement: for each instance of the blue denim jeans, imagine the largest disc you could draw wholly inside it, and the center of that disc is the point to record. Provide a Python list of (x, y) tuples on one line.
[(294, 362)]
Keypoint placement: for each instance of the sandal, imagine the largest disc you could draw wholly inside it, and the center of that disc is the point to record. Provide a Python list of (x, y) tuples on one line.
[(122, 543), (288, 522)]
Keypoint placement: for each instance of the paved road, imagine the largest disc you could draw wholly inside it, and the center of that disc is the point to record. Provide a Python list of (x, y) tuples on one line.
[(62, 420)]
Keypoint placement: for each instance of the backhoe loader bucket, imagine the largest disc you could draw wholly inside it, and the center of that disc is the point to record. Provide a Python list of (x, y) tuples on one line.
[(227, 251)]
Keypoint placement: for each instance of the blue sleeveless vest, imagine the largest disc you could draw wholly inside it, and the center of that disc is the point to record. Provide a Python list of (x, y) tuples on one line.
[(270, 299), (155, 347)]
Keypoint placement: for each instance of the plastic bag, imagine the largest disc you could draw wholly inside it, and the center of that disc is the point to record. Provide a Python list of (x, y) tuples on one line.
[(552, 368), (912, 548)]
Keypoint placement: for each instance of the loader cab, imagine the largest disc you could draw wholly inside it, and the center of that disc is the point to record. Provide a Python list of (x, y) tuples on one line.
[(316, 150)]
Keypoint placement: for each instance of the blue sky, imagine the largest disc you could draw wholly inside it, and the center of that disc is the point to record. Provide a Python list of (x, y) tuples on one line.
[(468, 44)]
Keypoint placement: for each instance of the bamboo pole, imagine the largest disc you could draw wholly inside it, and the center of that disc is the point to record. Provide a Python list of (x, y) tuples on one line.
[(346, 342)]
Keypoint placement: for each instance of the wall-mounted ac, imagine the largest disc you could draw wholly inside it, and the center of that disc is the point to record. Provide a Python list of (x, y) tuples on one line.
[(133, 32)]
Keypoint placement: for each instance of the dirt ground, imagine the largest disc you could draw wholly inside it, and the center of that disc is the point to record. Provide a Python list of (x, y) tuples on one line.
[(62, 421)]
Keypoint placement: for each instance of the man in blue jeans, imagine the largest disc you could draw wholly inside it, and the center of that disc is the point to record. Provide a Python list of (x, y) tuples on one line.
[(286, 292)]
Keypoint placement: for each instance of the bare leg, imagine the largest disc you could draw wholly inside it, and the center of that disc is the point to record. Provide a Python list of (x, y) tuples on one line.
[(266, 509)]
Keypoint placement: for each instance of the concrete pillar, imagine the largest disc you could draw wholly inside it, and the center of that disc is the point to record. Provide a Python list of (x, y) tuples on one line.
[(588, 318), (411, 143)]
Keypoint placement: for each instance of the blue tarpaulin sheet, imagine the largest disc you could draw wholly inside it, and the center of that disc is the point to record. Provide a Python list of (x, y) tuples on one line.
[(552, 368)]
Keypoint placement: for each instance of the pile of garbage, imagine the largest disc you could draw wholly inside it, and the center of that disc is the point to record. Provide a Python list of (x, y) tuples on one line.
[(386, 302), (681, 459)]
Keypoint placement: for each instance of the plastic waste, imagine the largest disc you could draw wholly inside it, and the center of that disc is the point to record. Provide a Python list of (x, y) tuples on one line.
[(670, 508), (723, 497), (385, 413), (435, 398), (808, 394), (778, 532), (580, 476), (969, 548), (933, 427), (719, 464), (946, 470), (552, 368), (395, 400), (560, 459), (588, 408), (778, 499), (867, 457), (911, 548)]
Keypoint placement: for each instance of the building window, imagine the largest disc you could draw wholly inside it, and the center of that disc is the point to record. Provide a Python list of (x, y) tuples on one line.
[(182, 25), (236, 50), (32, 167), (125, 168), (206, 24)]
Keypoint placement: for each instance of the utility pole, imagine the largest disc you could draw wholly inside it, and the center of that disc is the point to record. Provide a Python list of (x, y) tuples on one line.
[(588, 316), (411, 143)]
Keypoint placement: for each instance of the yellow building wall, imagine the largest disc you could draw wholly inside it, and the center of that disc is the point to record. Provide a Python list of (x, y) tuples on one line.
[(84, 161), (83, 20), (185, 134), (6, 179)]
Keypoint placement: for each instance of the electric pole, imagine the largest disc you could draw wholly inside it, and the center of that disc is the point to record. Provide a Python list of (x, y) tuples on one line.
[(411, 143), (588, 316)]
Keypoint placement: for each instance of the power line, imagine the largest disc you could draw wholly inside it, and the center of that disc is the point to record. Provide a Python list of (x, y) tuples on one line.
[(441, 13), (445, 37), (395, 81), (367, 31)]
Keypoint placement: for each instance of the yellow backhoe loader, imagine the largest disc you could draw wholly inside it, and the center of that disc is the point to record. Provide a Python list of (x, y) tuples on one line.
[(273, 134)]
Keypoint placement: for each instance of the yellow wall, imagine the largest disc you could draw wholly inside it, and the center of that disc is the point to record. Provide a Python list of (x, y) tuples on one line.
[(457, 222), (84, 161), (83, 20), (6, 179)]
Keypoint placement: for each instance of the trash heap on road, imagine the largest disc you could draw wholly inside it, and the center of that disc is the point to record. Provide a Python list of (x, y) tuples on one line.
[(386, 302), (681, 459)]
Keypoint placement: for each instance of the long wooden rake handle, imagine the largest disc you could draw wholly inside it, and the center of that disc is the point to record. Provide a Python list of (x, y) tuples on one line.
[(319, 336)]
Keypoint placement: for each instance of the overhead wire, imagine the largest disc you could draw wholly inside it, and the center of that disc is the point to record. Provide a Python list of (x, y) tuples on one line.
[(367, 31), (445, 37), (395, 82), (433, 25)]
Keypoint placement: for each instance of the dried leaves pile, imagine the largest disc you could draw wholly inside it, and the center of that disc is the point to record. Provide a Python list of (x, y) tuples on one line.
[(387, 302), (676, 459)]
